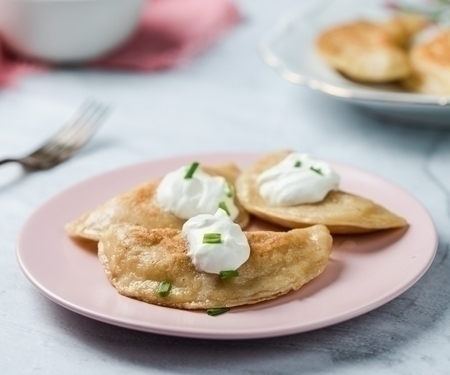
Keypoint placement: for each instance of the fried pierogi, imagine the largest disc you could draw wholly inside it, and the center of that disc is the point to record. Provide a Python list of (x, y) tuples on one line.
[(341, 212), (137, 261), (430, 63), (404, 27), (369, 51), (140, 207)]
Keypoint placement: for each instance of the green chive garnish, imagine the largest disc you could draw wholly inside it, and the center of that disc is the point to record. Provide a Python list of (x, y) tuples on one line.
[(297, 164), (191, 170), (228, 189), (164, 288), (228, 274), (217, 311), (224, 207), (317, 170), (212, 238)]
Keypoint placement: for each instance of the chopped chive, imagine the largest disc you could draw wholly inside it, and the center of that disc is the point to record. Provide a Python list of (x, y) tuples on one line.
[(228, 274), (212, 238), (317, 170), (217, 311), (191, 170), (164, 288), (229, 189), (297, 164), (224, 207)]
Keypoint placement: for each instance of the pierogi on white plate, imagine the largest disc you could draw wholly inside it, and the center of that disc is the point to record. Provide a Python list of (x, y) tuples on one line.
[(370, 51)]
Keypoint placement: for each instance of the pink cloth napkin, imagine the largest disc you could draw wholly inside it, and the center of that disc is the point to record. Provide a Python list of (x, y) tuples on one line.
[(170, 33)]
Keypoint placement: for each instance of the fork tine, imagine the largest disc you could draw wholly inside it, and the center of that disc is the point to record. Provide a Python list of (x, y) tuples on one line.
[(72, 121), (64, 143), (85, 118), (89, 126), (77, 132), (83, 131)]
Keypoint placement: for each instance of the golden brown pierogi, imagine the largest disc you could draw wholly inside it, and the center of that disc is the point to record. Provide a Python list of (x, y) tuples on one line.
[(370, 51), (430, 63), (138, 206), (136, 260), (341, 212)]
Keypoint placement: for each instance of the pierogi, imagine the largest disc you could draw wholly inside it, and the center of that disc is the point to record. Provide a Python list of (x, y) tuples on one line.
[(341, 212), (430, 63), (137, 260), (140, 207), (368, 51)]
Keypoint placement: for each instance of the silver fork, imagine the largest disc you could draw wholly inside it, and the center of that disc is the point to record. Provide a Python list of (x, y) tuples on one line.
[(70, 138)]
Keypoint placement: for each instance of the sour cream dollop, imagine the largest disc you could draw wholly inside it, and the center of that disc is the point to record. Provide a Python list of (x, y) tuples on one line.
[(229, 254), (297, 179), (199, 194)]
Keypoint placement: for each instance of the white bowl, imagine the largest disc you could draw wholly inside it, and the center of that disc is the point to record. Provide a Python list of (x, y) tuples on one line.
[(67, 31)]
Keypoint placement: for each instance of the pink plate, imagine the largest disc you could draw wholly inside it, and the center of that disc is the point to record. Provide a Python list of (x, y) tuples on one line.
[(364, 271)]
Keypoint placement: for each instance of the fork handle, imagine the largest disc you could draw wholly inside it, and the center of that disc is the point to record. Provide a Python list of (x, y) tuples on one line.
[(4, 161)]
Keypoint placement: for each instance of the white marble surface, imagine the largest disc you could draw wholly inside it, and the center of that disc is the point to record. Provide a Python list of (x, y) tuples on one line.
[(225, 100)]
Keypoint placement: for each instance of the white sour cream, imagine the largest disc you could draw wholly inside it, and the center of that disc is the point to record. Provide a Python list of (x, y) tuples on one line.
[(228, 255), (297, 179), (188, 197)]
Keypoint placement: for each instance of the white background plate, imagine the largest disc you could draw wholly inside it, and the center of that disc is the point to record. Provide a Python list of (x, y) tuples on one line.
[(364, 271), (289, 49)]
